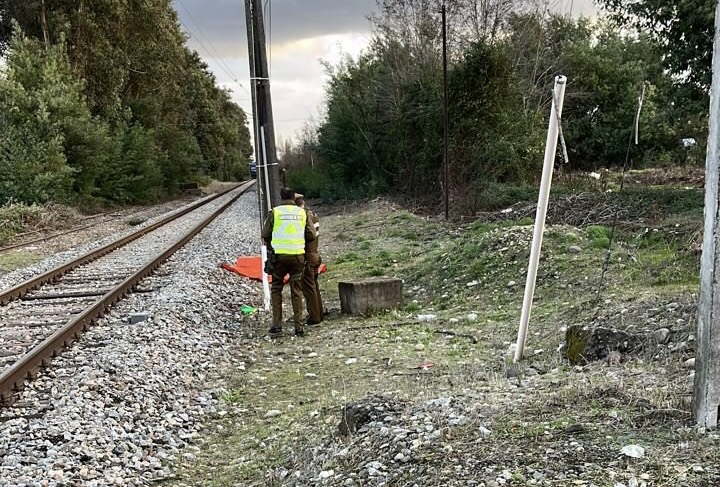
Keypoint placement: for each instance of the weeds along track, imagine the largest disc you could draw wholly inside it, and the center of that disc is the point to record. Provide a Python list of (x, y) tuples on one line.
[(41, 316)]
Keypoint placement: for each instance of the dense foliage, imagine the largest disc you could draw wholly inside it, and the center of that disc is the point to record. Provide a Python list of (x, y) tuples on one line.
[(382, 130), (103, 100)]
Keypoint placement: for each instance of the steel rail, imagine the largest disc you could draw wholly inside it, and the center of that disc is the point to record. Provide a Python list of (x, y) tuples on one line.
[(23, 288), (24, 369), (51, 236)]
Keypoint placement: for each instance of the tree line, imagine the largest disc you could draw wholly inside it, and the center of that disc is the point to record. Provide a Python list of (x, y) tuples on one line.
[(382, 127), (103, 101)]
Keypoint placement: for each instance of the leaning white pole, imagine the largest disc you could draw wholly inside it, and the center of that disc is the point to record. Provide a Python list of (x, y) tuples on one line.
[(263, 249), (548, 165), (706, 396)]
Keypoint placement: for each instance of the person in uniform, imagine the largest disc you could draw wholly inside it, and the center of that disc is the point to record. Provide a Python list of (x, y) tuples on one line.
[(310, 284), (286, 232)]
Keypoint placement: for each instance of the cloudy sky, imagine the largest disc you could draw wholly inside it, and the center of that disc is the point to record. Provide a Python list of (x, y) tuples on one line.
[(302, 33)]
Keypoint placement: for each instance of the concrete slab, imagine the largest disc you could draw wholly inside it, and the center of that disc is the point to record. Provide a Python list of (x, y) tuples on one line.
[(363, 296)]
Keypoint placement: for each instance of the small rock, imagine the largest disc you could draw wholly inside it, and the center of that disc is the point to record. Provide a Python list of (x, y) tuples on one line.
[(453, 321), (472, 284), (661, 336), (312, 355), (511, 284), (689, 363), (310, 376), (351, 361), (471, 318), (273, 413), (426, 318), (574, 249), (326, 474), (419, 347), (484, 432), (633, 451)]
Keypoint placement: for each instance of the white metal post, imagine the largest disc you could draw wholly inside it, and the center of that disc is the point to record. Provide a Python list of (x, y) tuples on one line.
[(706, 397), (263, 249), (548, 166)]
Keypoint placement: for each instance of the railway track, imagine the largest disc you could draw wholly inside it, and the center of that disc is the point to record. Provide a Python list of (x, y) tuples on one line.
[(43, 315)]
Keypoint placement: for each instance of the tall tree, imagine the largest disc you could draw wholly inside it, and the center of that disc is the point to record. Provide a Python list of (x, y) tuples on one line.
[(684, 27)]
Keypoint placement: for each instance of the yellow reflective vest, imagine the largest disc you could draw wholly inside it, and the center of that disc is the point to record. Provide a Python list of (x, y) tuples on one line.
[(288, 235)]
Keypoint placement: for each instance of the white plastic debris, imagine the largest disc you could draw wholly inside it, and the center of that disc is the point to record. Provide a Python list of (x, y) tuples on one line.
[(633, 451)]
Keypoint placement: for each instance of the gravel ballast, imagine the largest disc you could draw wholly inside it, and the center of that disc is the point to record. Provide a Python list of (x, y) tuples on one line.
[(125, 400)]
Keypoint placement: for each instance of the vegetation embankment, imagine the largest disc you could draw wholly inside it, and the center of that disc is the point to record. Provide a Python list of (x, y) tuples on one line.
[(382, 130), (104, 102), (453, 408)]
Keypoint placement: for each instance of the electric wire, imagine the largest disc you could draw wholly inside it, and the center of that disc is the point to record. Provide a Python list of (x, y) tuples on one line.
[(626, 168), (211, 49)]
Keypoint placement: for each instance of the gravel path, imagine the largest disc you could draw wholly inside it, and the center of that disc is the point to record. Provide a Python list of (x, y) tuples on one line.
[(102, 226), (126, 399)]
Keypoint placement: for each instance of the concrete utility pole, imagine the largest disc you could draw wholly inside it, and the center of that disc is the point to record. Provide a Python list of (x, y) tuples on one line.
[(262, 205), (706, 400), (265, 150)]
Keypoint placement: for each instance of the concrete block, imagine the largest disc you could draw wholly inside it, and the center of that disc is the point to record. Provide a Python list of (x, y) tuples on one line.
[(373, 294), (139, 317)]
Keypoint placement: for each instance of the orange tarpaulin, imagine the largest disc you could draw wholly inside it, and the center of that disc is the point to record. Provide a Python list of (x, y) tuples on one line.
[(251, 267)]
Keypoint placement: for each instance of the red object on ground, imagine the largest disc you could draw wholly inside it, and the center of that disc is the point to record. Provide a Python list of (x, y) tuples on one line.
[(250, 266)]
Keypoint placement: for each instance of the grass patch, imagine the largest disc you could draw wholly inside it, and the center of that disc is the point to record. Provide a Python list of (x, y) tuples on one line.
[(16, 218), (133, 222), (12, 260)]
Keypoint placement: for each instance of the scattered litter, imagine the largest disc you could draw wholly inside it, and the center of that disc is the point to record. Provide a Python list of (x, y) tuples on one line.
[(247, 310), (426, 318), (425, 365), (633, 451)]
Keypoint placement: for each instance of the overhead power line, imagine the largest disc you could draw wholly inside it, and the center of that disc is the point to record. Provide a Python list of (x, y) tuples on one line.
[(209, 48)]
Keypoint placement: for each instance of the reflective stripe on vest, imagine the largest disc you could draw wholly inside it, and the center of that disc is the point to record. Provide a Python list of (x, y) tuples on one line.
[(288, 236)]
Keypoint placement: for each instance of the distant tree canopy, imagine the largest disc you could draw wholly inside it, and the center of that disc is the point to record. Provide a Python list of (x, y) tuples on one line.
[(684, 29), (382, 130), (104, 100)]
